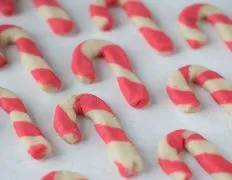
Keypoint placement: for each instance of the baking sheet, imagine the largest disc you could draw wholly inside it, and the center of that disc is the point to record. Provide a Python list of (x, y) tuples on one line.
[(145, 127)]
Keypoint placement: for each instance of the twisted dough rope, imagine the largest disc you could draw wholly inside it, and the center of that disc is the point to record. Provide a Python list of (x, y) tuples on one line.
[(181, 94), (58, 20), (141, 17), (190, 17), (28, 133), (204, 152), (7, 7), (132, 88), (120, 149), (63, 175), (31, 57)]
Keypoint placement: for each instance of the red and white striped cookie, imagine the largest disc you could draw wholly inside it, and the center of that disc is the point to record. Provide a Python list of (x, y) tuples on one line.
[(181, 94), (63, 175), (140, 15), (204, 152), (31, 57), (7, 7), (58, 20), (190, 17), (132, 88), (28, 133), (120, 149)]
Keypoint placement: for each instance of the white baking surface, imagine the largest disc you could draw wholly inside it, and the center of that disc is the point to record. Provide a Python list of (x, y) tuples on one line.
[(145, 127)]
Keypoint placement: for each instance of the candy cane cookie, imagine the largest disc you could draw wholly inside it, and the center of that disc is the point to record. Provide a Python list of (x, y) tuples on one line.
[(28, 133), (181, 94), (7, 7), (63, 175), (58, 20), (131, 87), (140, 16), (190, 17), (120, 149), (31, 57), (203, 151)]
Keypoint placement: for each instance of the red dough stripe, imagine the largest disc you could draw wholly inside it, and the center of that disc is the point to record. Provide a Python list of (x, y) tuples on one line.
[(194, 137), (110, 134), (125, 172), (3, 60), (99, 11), (107, 126), (64, 125), (51, 78), (175, 166), (6, 27), (15, 105), (39, 3), (50, 176), (182, 97), (215, 163), (229, 44), (81, 65), (7, 7), (88, 102), (136, 8), (175, 141), (102, 11), (115, 55), (58, 175), (185, 72), (25, 45), (207, 76), (161, 44), (194, 43), (60, 25), (193, 13), (38, 151), (219, 18), (26, 129), (139, 98), (222, 97)]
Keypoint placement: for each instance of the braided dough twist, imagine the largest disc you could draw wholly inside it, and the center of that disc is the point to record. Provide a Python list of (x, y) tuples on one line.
[(132, 88), (141, 17), (28, 133), (188, 23), (120, 149), (63, 175), (181, 94), (31, 57), (58, 20), (204, 152), (7, 7)]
